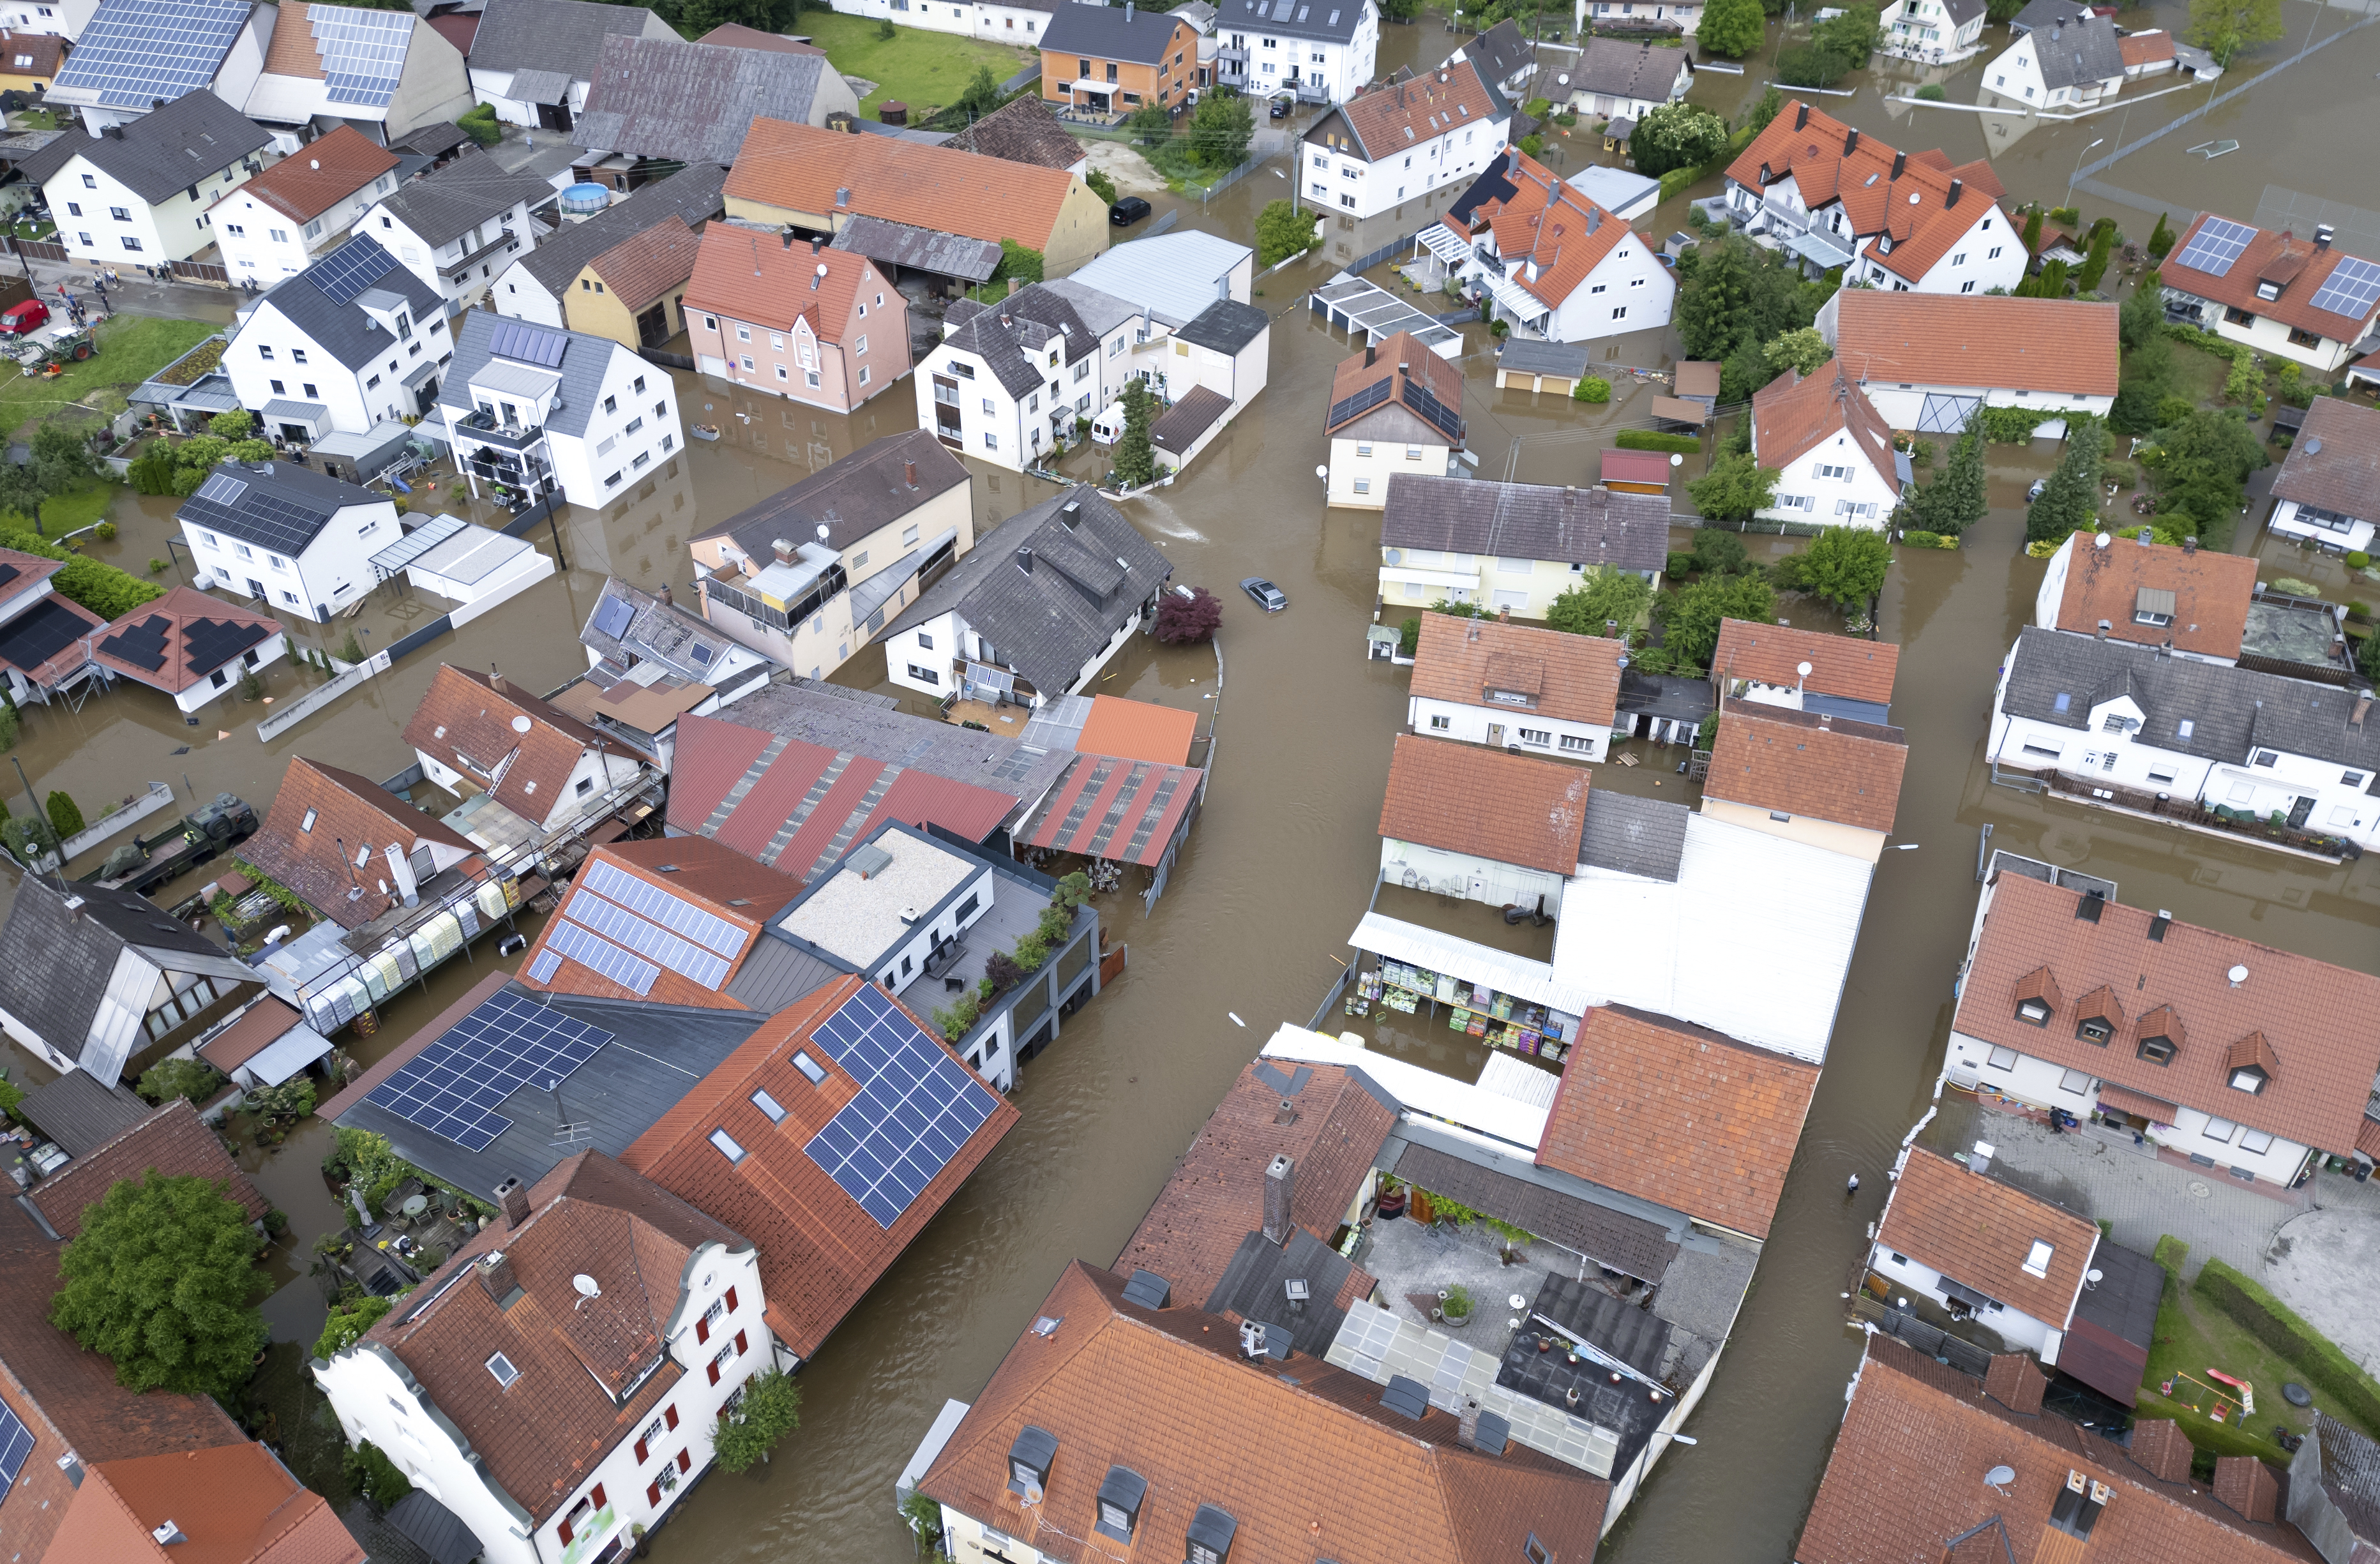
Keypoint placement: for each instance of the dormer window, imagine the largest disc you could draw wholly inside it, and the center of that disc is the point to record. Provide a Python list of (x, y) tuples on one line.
[(2268, 290), (2098, 1016), (1030, 1459), (2032, 1012), (2249, 1079), (1210, 1535), (2250, 1063), (2094, 1029), (2158, 1049), (1120, 1498)]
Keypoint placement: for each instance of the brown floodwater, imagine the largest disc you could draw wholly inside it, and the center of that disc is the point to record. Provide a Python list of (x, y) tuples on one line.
[(1282, 863)]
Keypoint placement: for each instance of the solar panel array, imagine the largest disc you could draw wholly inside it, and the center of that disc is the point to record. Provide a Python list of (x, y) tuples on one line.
[(612, 617), (2351, 289), (142, 645), (2216, 246), (40, 634), (547, 963), (208, 644), (625, 929), (452, 1087), (530, 345), (1445, 419), (342, 276), (916, 1108), (590, 950), (363, 52), (16, 1444), (670, 911), (281, 523), (135, 51), (222, 489), (1363, 401)]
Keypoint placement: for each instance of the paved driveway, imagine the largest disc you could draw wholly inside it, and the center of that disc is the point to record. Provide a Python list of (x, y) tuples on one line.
[(2326, 1263)]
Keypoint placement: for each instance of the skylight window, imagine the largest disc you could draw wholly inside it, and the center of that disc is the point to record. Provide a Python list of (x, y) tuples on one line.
[(726, 1144), (2037, 1259), (770, 1105), (501, 1367), (810, 1068), (308, 823), (2063, 703), (2185, 728)]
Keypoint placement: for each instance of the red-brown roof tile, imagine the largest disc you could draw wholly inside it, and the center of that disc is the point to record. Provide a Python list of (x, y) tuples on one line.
[(2334, 462), (1397, 358), (800, 167), (260, 1025), (1508, 808), (320, 174), (1980, 1231), (235, 1504), (173, 1142), (469, 721), (642, 267), (33, 54), (347, 811), (183, 616), (1137, 730), (2211, 592), (1802, 763), (748, 275), (1575, 678), (2065, 347), (1794, 414), (2296, 265), (1679, 1115), (721, 881), (1773, 654), (1022, 130), (2145, 48), (1548, 235), (1387, 118)]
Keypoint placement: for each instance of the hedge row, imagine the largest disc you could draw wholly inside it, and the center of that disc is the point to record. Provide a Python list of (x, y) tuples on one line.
[(1677, 179), (1656, 440), (2242, 383), (2272, 1322)]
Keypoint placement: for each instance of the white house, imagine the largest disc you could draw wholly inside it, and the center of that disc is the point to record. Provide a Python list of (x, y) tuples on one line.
[(1008, 382), (1928, 360), (287, 536), (1484, 681), (1017, 23), (541, 410), (2249, 1060), (1211, 369), (1540, 255), (1506, 59), (448, 1383), (1405, 139), (534, 61), (125, 63), (67, 18), (2110, 715), (2326, 492), (272, 226), (454, 226), (1684, 17), (1832, 449), (2312, 302), (191, 646), (1978, 1246), (1621, 78), (1321, 50), (2067, 64), (481, 733), (1395, 407), (386, 73), (136, 193), (1932, 32), (1481, 825), (353, 341), (1511, 548)]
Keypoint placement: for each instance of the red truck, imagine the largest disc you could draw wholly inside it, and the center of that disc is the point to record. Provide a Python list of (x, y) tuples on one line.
[(23, 319)]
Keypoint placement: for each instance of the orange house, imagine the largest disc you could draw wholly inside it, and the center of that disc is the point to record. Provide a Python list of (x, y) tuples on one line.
[(794, 319), (1100, 60)]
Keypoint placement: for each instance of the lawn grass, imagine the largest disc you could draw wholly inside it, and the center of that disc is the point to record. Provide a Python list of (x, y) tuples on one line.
[(62, 514), (2192, 1336), (132, 349), (925, 70)]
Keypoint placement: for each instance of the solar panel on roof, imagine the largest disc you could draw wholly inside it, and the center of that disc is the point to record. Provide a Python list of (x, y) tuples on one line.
[(1363, 401), (279, 523), (142, 645), (2216, 246), (612, 617), (132, 52), (916, 1109), (600, 956), (625, 929), (530, 345), (2351, 289), (452, 1087), (363, 52), (40, 634), (222, 489), (544, 968), (661, 906), (16, 1444), (1441, 418), (208, 644), (347, 271)]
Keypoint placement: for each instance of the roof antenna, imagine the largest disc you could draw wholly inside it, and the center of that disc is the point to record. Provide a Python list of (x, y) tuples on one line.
[(355, 886), (586, 1289)]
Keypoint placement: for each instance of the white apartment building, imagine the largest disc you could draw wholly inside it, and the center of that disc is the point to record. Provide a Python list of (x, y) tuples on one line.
[(455, 228), (352, 341), (1393, 142), (1010, 381), (542, 411), (287, 536), (136, 193), (1321, 51), (272, 226)]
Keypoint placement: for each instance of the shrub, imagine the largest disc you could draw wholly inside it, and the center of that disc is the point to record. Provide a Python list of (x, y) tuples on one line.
[(1533, 145), (2356, 610), (1194, 618), (1101, 186), (1679, 563), (157, 566), (1538, 108), (65, 815), (2276, 1326), (2359, 560), (1001, 971), (1922, 540), (764, 1411), (105, 530), (192, 1078), (482, 126), (1656, 440), (348, 1323), (1593, 388), (11, 1095), (1932, 92), (1459, 1303), (2009, 426), (372, 1473), (1283, 230), (1409, 637)]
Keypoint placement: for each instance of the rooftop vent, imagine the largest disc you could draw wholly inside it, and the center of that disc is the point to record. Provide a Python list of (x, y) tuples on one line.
[(2087, 908), (1801, 116), (1148, 1289), (1260, 1342), (909, 915), (2159, 923), (1406, 1397), (168, 1533), (868, 860), (1278, 1186)]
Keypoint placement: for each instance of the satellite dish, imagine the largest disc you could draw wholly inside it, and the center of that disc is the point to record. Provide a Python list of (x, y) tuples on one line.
[(521, 724), (1999, 1477), (1803, 669), (2238, 974), (821, 270), (1032, 1494), (1562, 81), (1676, 460), (2094, 1277), (586, 1285)]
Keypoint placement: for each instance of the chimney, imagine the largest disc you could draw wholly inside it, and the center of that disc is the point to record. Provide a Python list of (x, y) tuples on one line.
[(496, 1277), (909, 473), (2190, 545), (400, 871), (2105, 626), (2322, 234), (784, 548), (2248, 1485), (2160, 1448), (1957, 187), (1504, 616), (1801, 116), (2158, 925), (1370, 353), (1979, 1162), (664, 597), (1024, 561), (842, 194), (166, 1534), (2362, 708), (1466, 1430), (1850, 141), (1014, 284), (512, 1199), (1899, 161), (1127, 12), (1279, 1184)]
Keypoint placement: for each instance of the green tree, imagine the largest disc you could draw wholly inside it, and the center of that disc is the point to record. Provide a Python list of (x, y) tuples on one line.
[(1958, 498), (1220, 131), (62, 460), (163, 1280), (1101, 186), (65, 815), (2033, 232), (2069, 502), (1690, 616), (238, 424), (1136, 462), (2223, 28), (1400, 10), (1743, 371), (1149, 124), (1854, 33), (1846, 566), (1732, 29), (1604, 597), (765, 1410), (2141, 315), (1719, 553), (1804, 350), (1716, 298), (1019, 262), (170, 1078), (1676, 134), (1771, 104), (2094, 265), (981, 94), (21, 493), (2160, 240), (372, 1473), (1733, 489), (2202, 463), (1283, 230), (348, 1323), (2146, 381)]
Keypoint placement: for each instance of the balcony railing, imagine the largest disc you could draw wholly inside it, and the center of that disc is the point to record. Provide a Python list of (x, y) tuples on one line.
[(482, 426)]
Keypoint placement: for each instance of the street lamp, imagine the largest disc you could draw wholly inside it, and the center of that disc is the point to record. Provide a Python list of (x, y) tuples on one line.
[(2077, 169)]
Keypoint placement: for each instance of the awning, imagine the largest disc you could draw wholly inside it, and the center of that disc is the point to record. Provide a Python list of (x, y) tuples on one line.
[(2147, 1106), (1677, 409), (1103, 806), (1448, 579), (1817, 251), (508, 378), (420, 372), (298, 412), (1532, 981), (537, 87), (2154, 599), (286, 1055), (1445, 243), (1524, 305), (416, 544)]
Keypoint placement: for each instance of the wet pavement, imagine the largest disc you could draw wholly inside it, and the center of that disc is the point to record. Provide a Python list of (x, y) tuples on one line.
[(1282, 861)]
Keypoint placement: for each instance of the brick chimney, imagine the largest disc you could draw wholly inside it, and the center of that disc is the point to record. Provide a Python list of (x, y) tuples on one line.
[(512, 1199), (496, 1277), (909, 474), (2162, 1449), (2248, 1485), (1280, 1183), (784, 548)]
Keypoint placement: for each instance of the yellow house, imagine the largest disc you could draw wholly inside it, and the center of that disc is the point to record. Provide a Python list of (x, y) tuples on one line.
[(30, 61), (1807, 777), (635, 292)]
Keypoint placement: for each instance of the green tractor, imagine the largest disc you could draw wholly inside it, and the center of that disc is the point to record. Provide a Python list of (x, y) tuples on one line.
[(48, 356)]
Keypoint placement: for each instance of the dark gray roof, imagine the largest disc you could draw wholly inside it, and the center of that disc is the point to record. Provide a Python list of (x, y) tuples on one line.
[(1626, 68), (1330, 20), (1111, 32), (863, 492), (1530, 356), (1500, 52), (434, 140), (1961, 12), (443, 205), (1578, 525), (1023, 323), (1226, 326), (2350, 1474), (437, 1531), (2123, 1302), (658, 1054), (1665, 694), (1178, 427), (691, 103), (2231, 711), (1632, 835), (2076, 51), (1088, 572), (2043, 13), (278, 506), (56, 963), (2334, 465), (779, 973), (800, 710), (563, 36), (692, 194), (921, 249), (163, 150), (1641, 1248), (344, 330), (81, 1112), (584, 362), (1252, 1287)]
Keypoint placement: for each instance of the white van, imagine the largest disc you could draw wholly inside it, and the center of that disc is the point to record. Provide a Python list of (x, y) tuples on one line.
[(1108, 427)]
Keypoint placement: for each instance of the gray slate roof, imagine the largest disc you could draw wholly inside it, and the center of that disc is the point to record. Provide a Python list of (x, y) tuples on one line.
[(921, 249), (2078, 52), (1090, 570), (2232, 710), (163, 151), (1626, 70), (445, 205), (1632, 835), (1023, 323), (1101, 310), (778, 973), (282, 506), (2334, 465), (1226, 326), (56, 963), (563, 36), (81, 1112), (691, 103), (691, 194), (584, 360), (344, 330), (2047, 13), (1594, 527), (1527, 356), (1327, 20), (1500, 52), (1108, 32), (866, 490)]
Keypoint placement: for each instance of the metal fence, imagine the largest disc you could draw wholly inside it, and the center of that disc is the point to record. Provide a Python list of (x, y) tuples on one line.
[(1930, 1340)]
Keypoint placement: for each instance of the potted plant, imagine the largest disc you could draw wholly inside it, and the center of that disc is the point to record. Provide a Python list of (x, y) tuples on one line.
[(1455, 1305), (1392, 1201)]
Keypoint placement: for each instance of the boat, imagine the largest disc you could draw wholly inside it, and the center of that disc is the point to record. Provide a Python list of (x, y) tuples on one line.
[(705, 431), (2215, 149)]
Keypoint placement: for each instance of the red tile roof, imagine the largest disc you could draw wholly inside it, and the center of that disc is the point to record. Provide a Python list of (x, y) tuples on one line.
[(20, 573), (2296, 265), (1387, 119), (1636, 467), (171, 1143), (1137, 730), (2062, 346), (642, 267), (1679, 1115), (2145, 48), (2315, 1017), (820, 1251), (1978, 1230), (320, 174), (263, 1024), (235, 1504), (2211, 592), (1572, 678), (800, 167), (1550, 235), (721, 881), (185, 617), (1397, 358), (1793, 415), (748, 275), (1508, 809), (33, 54), (347, 811), (1839, 665), (471, 722), (1127, 802), (1801, 763)]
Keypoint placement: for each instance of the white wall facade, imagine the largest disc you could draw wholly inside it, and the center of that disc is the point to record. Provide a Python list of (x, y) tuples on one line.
[(85, 199), (1629, 291), (1901, 404), (1360, 468), (263, 245), (1687, 18), (1922, 30), (2017, 1328), (634, 424), (218, 683), (65, 19), (2291, 520), (460, 270), (1274, 60), (1616, 105), (1833, 484), (2267, 334), (269, 359), (1469, 876), (1502, 725), (1335, 178), (1989, 255), (920, 659), (521, 296), (490, 87), (333, 572), (2015, 73), (1017, 26)]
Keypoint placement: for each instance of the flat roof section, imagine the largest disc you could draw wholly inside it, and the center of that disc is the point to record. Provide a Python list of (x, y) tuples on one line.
[(1356, 305), (867, 906)]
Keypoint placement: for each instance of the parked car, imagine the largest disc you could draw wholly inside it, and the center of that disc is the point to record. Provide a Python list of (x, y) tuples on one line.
[(1280, 107), (1127, 211), (2034, 492), (1268, 597), (24, 318)]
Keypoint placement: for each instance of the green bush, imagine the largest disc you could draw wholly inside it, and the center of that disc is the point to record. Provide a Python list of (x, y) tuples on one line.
[(192, 1078), (1538, 108), (1101, 186), (348, 1323), (372, 1473), (1656, 440), (1593, 388), (2357, 610), (1674, 182), (2359, 560), (1679, 563), (1533, 145), (157, 566), (764, 1411), (11, 1095), (65, 815), (1932, 92), (1924, 539), (482, 126), (2276, 1326), (105, 590), (2010, 426)]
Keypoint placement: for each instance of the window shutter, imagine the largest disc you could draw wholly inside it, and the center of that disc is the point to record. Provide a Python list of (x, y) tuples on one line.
[(669, 1414), (714, 1374), (653, 1496), (739, 1344), (684, 1462), (643, 1455), (599, 1496), (702, 1331), (564, 1531), (730, 1300)]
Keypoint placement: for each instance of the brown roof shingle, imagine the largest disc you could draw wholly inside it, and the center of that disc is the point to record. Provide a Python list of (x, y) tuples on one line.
[(2296, 265), (1024, 130), (172, 1143), (2335, 463), (1839, 665), (1385, 119), (348, 811), (749, 275), (1679, 1115), (2210, 592), (467, 721), (235, 1504), (1575, 678), (1794, 414), (642, 267), (2315, 1017), (1980, 1231), (1510, 809), (801, 167), (36, 53), (320, 175), (2066, 347), (1804, 763), (264, 1023), (1397, 358)]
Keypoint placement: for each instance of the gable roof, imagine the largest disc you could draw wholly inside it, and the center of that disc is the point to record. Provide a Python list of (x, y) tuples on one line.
[(1980, 1231), (821, 1250), (586, 359), (1226, 325), (564, 36), (798, 166), (1329, 21), (40, 54), (19, 574), (1793, 415), (172, 1141), (80, 1112), (448, 203), (1591, 527), (1397, 389), (123, 59), (345, 330), (1843, 666), (642, 267), (471, 722), (854, 496), (755, 276), (736, 35), (1572, 678), (1049, 586), (162, 152), (692, 869), (279, 505), (1137, 730), (1022, 130), (1550, 235), (2313, 1016), (1679, 1115), (2210, 590), (57, 962), (186, 633), (1384, 120), (348, 811), (2061, 346), (1016, 336), (1502, 52), (1463, 798), (1175, 276), (2297, 267), (1621, 68), (1807, 763), (2334, 465), (692, 195), (320, 175), (690, 103), (2073, 52), (233, 1504), (1141, 37)]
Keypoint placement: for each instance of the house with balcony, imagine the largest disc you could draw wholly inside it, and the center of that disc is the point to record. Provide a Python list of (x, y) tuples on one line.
[(352, 341), (821, 327), (1515, 686), (273, 224), (650, 662), (1318, 51), (1403, 140), (808, 576), (535, 60), (1010, 380), (286, 535), (481, 733), (2066, 65), (1933, 32), (1104, 62), (2240, 1059), (1543, 257), (2306, 300), (1396, 407), (456, 226), (2327, 491), (1511, 548), (1832, 449), (384, 74), (542, 412), (136, 193)]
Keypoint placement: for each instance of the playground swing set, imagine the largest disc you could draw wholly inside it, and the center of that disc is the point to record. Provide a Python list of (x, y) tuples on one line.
[(2234, 1406)]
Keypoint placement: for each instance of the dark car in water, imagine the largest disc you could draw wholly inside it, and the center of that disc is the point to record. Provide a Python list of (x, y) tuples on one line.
[(1127, 211)]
